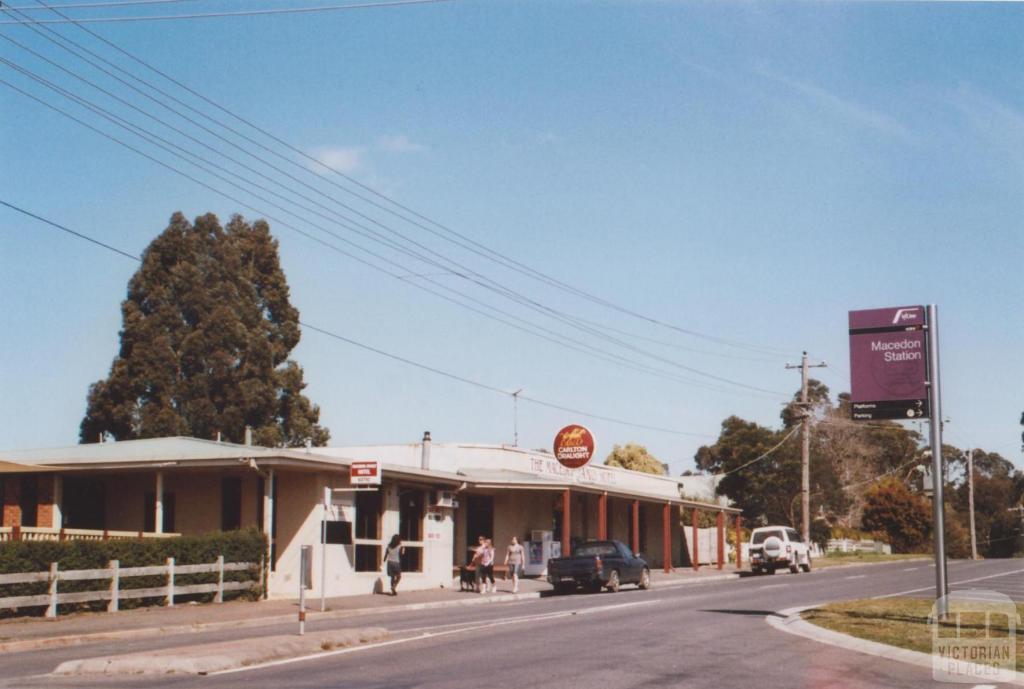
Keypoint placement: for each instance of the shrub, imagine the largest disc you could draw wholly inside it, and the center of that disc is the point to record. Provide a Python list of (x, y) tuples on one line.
[(248, 545), (903, 516)]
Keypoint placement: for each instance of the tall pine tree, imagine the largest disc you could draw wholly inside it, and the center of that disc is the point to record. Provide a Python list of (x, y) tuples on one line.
[(207, 330)]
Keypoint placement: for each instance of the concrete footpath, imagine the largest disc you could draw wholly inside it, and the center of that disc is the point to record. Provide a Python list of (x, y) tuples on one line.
[(221, 657), (30, 634)]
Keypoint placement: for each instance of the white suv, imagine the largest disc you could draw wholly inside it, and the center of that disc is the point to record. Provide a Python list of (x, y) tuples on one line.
[(775, 547)]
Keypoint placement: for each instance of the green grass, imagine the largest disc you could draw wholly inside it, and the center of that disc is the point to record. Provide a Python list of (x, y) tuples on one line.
[(834, 559), (900, 622)]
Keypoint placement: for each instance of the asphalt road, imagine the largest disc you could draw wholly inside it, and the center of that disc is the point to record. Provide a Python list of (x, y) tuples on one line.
[(706, 635)]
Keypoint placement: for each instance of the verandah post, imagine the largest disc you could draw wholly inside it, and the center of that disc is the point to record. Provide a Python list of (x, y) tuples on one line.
[(696, 544)]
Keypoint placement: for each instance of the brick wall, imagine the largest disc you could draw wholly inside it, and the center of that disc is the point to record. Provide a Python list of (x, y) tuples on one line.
[(12, 497), (44, 503)]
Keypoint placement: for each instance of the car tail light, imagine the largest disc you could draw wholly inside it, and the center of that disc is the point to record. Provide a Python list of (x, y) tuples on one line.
[(598, 564)]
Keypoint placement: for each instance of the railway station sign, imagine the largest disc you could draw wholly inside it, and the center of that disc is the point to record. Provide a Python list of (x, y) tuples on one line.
[(889, 364), (574, 446)]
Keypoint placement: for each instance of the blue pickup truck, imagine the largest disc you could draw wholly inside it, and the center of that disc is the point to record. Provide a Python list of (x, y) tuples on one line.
[(596, 565)]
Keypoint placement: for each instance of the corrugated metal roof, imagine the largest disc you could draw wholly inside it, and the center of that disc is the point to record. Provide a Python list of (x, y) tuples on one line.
[(175, 449)]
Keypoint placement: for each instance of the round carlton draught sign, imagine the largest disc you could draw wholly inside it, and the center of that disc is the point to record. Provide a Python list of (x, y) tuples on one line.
[(574, 446)]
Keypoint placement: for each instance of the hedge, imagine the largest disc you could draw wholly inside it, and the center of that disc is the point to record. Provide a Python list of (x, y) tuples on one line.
[(247, 545)]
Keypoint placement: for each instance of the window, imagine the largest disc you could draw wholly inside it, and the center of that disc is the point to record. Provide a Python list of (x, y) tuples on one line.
[(762, 536), (230, 503), (410, 528), (368, 512), (601, 549), (84, 504), (794, 537), (29, 500)]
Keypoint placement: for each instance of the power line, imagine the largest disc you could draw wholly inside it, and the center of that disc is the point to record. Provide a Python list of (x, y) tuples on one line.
[(233, 13), (346, 223), (164, 144), (70, 231), (446, 233), (110, 3), (383, 353), (764, 455)]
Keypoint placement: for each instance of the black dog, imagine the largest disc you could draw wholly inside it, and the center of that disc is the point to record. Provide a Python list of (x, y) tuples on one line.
[(467, 579)]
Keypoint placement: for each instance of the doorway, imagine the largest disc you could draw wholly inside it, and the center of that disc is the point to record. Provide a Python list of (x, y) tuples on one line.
[(479, 520)]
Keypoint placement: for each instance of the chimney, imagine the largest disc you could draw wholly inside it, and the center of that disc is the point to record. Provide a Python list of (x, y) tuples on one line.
[(425, 456), (248, 435)]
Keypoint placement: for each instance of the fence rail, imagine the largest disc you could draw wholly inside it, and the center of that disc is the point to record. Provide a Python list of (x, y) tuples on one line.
[(114, 593), (39, 533)]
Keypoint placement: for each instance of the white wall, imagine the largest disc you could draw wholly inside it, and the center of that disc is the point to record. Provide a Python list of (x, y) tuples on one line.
[(299, 512)]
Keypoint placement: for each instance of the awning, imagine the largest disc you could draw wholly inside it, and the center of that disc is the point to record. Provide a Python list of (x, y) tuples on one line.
[(15, 468)]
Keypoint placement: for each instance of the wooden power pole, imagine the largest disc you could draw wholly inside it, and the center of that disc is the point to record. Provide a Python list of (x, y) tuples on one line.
[(805, 450)]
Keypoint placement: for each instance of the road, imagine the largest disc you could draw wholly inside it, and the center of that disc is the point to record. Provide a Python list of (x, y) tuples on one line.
[(708, 635)]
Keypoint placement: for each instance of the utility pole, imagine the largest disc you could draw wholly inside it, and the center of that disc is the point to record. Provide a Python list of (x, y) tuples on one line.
[(805, 449), (970, 501), (515, 417)]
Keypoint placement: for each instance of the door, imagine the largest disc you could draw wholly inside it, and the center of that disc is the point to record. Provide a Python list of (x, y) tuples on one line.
[(479, 520)]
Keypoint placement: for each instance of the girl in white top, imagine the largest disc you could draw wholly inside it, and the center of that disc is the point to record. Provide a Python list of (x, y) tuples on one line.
[(515, 559)]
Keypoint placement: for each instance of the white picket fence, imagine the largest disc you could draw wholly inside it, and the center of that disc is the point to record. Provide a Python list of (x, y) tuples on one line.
[(114, 593), (848, 545)]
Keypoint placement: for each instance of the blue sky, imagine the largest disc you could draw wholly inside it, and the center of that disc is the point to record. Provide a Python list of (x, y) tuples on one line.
[(746, 170)]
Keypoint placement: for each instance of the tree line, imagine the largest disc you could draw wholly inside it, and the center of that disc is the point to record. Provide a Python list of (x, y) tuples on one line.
[(866, 478)]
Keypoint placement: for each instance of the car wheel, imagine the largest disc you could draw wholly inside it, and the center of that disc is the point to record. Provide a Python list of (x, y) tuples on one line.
[(756, 570), (806, 566), (613, 581), (564, 589), (645, 579), (770, 569)]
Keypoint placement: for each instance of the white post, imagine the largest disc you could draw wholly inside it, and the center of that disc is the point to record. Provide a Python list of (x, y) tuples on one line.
[(268, 505), (219, 598), (58, 498), (51, 609), (170, 582), (115, 585), (158, 504)]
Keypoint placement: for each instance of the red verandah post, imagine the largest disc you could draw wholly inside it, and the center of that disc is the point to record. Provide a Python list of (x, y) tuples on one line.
[(636, 526), (696, 543), (602, 517), (739, 543), (566, 510), (666, 528), (721, 540)]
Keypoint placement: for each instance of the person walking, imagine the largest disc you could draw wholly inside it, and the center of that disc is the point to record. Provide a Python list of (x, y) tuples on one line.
[(478, 566), (515, 560), (487, 563), (393, 557)]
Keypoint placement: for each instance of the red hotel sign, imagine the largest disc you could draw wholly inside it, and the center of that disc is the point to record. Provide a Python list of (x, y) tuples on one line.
[(364, 473), (574, 446)]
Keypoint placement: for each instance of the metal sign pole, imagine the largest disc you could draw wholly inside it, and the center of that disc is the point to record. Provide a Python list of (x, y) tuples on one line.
[(935, 435), (323, 553), (303, 570)]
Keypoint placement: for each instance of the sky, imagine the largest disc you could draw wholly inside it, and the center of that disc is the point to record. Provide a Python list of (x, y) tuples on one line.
[(747, 171)]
